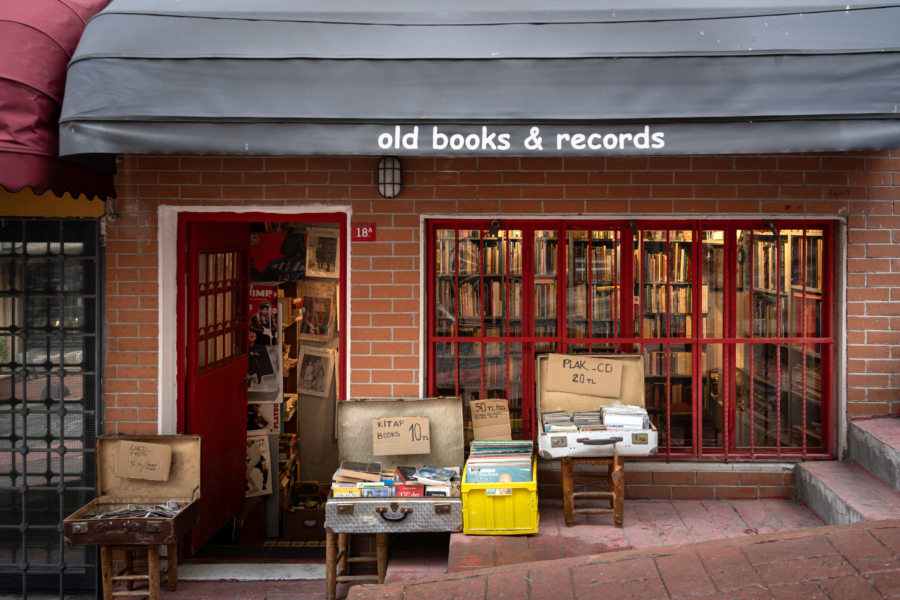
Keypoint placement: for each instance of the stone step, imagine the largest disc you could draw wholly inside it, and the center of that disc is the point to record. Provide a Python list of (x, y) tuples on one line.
[(841, 493), (875, 445)]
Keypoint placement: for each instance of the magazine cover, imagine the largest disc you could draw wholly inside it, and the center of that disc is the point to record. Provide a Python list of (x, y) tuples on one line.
[(278, 256), (259, 473), (263, 310), (264, 416)]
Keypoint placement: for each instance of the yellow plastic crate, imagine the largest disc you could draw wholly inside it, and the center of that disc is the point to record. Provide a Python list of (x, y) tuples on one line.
[(515, 513)]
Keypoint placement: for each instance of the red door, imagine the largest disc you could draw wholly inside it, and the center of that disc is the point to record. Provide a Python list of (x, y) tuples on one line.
[(214, 402)]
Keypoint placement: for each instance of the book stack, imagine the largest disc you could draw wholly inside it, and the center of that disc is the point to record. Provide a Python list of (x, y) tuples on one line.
[(588, 420), (620, 416), (425, 480), (557, 421), (359, 480), (499, 461)]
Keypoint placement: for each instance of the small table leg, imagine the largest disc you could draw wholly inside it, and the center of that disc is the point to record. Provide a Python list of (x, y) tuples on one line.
[(568, 489), (106, 571), (153, 570), (330, 565), (381, 546), (129, 568), (172, 566)]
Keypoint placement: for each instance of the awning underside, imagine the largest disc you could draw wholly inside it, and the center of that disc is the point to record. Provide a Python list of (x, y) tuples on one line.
[(296, 78)]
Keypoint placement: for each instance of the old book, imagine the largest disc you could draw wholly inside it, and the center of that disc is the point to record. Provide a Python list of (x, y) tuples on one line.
[(360, 470)]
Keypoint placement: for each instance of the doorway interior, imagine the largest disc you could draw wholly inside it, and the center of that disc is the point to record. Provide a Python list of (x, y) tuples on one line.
[(262, 295)]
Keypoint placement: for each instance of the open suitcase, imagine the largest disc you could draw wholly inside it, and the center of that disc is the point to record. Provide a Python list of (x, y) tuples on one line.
[(87, 526), (634, 442), (393, 514)]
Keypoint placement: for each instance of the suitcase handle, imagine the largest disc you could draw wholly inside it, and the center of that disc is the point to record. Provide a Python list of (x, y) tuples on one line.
[(383, 511), (606, 442)]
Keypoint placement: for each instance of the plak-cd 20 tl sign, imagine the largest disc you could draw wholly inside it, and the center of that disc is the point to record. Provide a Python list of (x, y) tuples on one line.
[(522, 139)]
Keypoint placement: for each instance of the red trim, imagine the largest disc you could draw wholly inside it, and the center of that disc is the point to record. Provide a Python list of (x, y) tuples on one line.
[(258, 217)]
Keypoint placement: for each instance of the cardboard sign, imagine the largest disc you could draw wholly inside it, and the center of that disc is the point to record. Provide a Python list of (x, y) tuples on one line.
[(490, 419), (584, 375), (142, 460), (400, 435)]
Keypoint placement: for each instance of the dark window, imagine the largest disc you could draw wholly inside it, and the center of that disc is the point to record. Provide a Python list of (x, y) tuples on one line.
[(49, 365)]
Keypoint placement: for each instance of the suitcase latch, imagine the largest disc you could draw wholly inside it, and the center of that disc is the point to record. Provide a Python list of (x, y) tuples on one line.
[(639, 438), (559, 441), (79, 527), (345, 509), (153, 527), (442, 509)]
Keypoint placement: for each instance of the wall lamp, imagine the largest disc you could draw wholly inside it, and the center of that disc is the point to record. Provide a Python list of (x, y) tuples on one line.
[(389, 175)]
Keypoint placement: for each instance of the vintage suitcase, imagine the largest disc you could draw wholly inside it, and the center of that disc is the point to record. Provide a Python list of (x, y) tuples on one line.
[(642, 442), (88, 526), (392, 514)]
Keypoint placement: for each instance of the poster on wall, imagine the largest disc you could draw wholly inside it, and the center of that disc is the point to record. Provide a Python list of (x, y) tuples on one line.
[(319, 310), (264, 416), (263, 310), (259, 474), (265, 360), (323, 253), (278, 256), (316, 371)]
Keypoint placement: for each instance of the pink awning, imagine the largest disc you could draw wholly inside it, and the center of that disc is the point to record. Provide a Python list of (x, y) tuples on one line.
[(37, 39)]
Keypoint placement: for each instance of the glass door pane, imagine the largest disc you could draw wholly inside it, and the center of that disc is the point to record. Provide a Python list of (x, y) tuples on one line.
[(546, 273), (593, 280)]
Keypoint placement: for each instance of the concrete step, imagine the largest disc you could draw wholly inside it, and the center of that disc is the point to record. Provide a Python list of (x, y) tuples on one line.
[(875, 445), (841, 493)]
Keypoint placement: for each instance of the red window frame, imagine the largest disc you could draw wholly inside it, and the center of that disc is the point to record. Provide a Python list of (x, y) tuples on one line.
[(737, 383)]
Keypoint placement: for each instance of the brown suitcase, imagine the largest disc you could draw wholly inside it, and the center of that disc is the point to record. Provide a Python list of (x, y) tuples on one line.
[(114, 492)]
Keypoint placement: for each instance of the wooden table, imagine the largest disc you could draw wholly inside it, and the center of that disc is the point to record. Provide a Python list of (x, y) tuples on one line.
[(338, 559), (128, 575), (615, 479)]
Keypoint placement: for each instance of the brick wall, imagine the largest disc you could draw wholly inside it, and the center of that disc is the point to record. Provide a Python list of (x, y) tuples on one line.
[(384, 314)]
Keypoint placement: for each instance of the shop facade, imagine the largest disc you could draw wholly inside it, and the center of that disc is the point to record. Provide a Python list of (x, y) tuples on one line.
[(729, 213)]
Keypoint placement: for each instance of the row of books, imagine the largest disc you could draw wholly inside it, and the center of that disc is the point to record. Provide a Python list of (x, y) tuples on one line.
[(499, 461), (369, 480), (617, 416)]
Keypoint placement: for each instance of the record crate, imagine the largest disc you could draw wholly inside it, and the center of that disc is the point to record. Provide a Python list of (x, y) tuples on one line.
[(509, 508)]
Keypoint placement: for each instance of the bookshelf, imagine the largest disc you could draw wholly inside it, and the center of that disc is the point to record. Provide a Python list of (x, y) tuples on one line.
[(732, 318), (780, 286), (478, 283)]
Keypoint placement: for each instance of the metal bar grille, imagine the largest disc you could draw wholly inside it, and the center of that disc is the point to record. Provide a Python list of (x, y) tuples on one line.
[(50, 307)]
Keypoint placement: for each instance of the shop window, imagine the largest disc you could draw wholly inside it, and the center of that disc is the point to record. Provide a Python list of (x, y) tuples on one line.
[(49, 365), (733, 321)]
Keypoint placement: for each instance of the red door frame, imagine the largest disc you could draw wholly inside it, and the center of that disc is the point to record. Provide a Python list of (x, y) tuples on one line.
[(257, 217)]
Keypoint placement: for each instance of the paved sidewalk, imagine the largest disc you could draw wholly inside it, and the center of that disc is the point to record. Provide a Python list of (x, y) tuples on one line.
[(847, 562)]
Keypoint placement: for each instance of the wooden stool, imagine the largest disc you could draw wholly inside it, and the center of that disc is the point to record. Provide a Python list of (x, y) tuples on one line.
[(128, 576), (615, 477), (338, 559)]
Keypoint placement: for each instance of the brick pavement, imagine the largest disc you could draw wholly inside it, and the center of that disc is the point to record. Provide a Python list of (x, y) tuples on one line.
[(846, 562)]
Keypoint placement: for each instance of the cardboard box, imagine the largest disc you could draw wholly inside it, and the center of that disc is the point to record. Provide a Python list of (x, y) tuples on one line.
[(303, 524)]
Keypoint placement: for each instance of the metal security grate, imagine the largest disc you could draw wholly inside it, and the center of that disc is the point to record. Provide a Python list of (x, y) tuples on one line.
[(50, 304)]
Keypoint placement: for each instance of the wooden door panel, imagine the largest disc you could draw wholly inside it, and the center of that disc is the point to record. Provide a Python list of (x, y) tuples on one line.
[(216, 361)]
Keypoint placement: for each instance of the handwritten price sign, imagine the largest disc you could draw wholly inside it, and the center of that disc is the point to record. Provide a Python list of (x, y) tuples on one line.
[(490, 419), (400, 435)]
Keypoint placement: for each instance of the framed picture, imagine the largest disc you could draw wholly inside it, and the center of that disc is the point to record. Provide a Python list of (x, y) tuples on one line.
[(319, 311), (323, 253), (316, 371)]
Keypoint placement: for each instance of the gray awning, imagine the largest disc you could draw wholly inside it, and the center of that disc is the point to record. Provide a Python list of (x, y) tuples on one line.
[(516, 77)]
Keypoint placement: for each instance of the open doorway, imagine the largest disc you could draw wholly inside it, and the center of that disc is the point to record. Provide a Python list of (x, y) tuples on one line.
[(261, 335)]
